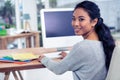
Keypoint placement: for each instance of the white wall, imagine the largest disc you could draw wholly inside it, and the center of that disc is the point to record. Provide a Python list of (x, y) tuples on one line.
[(109, 12), (1, 76), (29, 6)]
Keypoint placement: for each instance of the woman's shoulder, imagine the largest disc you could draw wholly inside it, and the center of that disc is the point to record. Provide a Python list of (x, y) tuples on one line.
[(88, 43)]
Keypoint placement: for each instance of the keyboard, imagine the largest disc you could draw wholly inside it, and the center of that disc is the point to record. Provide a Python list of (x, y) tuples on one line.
[(54, 54)]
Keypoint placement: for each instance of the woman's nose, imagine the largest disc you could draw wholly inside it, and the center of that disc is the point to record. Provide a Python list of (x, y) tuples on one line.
[(76, 23)]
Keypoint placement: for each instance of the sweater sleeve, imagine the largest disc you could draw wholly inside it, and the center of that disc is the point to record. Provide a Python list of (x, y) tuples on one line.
[(71, 62)]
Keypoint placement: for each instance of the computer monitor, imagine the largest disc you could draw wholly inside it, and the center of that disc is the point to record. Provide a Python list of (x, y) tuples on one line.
[(57, 30)]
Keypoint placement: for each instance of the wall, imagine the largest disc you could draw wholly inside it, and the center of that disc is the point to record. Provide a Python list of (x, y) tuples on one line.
[(29, 6)]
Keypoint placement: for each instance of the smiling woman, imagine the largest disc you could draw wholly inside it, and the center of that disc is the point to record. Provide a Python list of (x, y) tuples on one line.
[(110, 18), (82, 23), (94, 51)]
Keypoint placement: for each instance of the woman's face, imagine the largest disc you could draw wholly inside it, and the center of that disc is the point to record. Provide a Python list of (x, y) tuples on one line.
[(81, 22)]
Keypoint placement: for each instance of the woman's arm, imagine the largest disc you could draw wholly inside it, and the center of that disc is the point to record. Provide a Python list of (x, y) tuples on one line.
[(69, 63)]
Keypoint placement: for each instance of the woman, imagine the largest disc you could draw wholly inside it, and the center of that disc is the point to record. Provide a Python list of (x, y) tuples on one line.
[(90, 58)]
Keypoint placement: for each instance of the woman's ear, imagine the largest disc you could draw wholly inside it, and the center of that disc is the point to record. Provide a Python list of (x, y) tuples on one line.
[(94, 22)]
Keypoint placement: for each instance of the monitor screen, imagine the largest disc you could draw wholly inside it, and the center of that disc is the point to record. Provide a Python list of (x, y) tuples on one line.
[(58, 23), (57, 29)]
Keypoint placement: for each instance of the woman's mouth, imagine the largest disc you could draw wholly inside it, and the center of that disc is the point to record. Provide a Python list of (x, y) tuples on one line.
[(76, 30)]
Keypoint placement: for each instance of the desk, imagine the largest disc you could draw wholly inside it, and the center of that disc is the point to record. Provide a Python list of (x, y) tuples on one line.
[(5, 39), (12, 67)]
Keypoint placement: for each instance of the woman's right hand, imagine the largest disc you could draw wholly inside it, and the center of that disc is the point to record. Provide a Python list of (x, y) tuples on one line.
[(63, 54)]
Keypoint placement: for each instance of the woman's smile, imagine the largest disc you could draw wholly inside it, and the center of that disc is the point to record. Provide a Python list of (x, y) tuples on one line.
[(77, 30)]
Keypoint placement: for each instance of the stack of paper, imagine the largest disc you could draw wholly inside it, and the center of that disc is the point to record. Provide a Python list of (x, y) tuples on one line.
[(19, 57), (24, 56)]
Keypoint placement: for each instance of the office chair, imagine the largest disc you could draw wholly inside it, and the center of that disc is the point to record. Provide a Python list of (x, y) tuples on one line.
[(114, 69)]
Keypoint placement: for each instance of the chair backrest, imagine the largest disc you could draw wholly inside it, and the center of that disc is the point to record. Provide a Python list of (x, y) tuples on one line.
[(114, 69)]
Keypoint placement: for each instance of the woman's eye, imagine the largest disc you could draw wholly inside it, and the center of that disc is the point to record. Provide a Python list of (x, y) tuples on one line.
[(81, 19), (73, 19)]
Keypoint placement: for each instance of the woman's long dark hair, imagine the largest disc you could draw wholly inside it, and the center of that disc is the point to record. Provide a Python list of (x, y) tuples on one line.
[(101, 29)]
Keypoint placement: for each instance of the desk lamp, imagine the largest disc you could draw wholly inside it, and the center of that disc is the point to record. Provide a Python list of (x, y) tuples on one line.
[(27, 27)]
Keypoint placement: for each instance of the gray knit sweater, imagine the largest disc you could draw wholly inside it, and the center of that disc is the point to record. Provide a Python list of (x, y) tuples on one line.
[(86, 60)]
